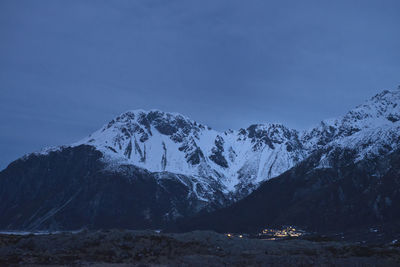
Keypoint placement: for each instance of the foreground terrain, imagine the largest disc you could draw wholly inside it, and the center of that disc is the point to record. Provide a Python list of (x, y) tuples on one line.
[(200, 248)]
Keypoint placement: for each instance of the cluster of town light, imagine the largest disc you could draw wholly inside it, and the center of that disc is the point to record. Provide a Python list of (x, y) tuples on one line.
[(288, 231)]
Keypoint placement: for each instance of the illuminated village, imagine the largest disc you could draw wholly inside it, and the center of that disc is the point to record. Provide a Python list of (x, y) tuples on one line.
[(288, 231), (272, 234)]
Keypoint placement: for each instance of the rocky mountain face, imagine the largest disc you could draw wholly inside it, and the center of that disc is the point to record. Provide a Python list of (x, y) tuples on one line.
[(370, 129), (146, 168), (236, 160)]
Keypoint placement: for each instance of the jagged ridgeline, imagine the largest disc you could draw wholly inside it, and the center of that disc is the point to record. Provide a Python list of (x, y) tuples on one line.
[(147, 168)]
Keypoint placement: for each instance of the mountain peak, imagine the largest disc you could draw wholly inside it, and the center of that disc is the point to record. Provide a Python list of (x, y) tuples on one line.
[(387, 95), (156, 113), (383, 108), (151, 115), (143, 121)]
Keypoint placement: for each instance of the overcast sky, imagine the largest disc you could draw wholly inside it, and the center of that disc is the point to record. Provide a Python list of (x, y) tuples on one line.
[(68, 67)]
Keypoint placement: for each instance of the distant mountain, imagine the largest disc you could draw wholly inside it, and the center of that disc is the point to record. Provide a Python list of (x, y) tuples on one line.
[(146, 168)]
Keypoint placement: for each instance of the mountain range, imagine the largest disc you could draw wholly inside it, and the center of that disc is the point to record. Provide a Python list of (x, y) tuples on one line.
[(146, 169)]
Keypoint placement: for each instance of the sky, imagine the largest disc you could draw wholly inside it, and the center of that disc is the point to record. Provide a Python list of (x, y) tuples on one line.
[(68, 67)]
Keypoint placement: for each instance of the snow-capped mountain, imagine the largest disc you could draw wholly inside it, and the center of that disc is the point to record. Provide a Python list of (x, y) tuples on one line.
[(174, 166), (370, 129), (159, 141), (239, 160)]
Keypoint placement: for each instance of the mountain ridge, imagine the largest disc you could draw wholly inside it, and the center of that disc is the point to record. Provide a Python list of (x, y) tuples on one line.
[(169, 141), (160, 141)]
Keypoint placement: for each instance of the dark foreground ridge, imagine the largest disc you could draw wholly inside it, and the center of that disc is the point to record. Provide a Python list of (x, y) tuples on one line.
[(199, 248), (72, 189)]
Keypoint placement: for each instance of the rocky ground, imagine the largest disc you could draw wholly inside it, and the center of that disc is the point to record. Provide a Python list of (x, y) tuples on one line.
[(200, 248)]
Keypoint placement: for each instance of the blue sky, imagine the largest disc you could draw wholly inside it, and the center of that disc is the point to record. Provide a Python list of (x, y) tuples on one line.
[(68, 67)]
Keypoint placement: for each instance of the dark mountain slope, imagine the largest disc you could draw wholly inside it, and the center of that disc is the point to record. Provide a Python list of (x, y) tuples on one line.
[(72, 188), (346, 196)]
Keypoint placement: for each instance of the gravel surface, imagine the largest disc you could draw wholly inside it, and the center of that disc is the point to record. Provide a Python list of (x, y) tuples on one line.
[(199, 248)]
